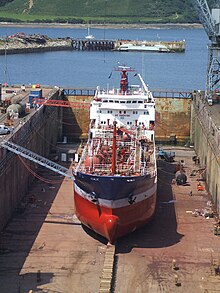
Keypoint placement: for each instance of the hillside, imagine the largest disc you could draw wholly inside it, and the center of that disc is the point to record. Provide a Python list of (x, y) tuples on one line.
[(131, 11)]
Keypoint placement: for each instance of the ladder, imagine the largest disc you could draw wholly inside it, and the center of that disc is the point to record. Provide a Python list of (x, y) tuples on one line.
[(19, 150)]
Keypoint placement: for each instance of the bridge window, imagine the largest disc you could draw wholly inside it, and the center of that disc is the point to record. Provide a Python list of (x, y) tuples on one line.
[(135, 112), (110, 111), (140, 102), (146, 113), (128, 102), (116, 101), (122, 102), (133, 102)]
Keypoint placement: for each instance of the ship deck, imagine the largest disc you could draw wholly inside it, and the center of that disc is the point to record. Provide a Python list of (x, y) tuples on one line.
[(45, 249)]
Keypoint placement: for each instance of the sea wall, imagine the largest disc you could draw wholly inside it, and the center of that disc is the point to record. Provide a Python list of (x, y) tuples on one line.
[(35, 49)]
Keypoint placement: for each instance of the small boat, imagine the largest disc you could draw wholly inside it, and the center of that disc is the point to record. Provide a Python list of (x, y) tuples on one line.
[(144, 48), (115, 180), (89, 36)]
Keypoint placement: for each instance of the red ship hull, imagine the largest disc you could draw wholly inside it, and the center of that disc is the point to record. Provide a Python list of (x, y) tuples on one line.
[(117, 222)]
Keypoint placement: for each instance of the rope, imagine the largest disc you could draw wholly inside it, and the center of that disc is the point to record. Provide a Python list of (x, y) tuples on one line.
[(38, 176)]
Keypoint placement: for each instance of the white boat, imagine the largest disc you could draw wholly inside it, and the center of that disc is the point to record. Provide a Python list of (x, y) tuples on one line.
[(143, 48), (89, 36)]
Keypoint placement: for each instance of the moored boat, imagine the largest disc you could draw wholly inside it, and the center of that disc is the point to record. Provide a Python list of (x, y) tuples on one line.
[(160, 48), (116, 178)]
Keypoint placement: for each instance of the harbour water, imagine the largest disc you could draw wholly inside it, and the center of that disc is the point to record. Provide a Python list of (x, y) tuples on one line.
[(176, 71)]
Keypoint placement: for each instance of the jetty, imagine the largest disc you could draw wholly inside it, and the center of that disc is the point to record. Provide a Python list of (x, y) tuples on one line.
[(25, 43)]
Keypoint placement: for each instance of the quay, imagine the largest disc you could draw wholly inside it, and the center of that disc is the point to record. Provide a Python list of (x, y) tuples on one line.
[(43, 247)]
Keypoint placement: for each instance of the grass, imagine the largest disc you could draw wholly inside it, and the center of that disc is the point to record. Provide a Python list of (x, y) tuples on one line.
[(4, 16)]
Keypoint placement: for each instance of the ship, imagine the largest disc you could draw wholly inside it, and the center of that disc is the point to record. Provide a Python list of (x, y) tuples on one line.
[(115, 179), (130, 47)]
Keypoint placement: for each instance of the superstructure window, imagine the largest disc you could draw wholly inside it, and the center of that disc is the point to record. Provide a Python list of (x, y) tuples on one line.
[(146, 112), (109, 111), (128, 102), (133, 102), (140, 102), (122, 102), (135, 112)]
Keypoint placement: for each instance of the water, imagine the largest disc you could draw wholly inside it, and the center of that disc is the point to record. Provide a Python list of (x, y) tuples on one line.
[(182, 71)]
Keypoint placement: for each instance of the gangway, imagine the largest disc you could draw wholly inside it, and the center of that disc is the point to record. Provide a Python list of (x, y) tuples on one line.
[(19, 150)]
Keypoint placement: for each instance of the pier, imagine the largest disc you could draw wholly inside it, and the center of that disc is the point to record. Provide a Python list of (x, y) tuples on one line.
[(114, 45), (93, 45)]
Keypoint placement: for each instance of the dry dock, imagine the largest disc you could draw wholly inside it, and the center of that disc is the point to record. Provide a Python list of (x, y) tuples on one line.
[(45, 249)]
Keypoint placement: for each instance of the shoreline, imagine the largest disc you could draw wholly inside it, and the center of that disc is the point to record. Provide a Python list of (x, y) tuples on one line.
[(107, 25)]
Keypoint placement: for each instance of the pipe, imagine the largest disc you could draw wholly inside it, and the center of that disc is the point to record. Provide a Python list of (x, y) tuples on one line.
[(114, 148)]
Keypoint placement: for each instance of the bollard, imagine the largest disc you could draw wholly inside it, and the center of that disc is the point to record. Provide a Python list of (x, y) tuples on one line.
[(174, 265), (176, 280), (38, 276)]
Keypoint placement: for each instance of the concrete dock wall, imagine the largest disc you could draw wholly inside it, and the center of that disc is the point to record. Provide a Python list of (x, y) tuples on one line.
[(205, 136), (173, 119), (40, 131)]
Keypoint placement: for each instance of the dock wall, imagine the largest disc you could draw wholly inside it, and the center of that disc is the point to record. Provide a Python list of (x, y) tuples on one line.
[(173, 115), (39, 134), (205, 136)]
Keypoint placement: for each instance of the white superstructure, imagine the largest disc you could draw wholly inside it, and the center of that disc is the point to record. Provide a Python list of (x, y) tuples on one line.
[(135, 107)]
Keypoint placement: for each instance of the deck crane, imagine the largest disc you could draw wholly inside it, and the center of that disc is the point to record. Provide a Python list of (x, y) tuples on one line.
[(211, 23)]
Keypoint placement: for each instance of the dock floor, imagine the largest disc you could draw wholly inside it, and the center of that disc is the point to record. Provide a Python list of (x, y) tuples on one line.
[(44, 248)]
